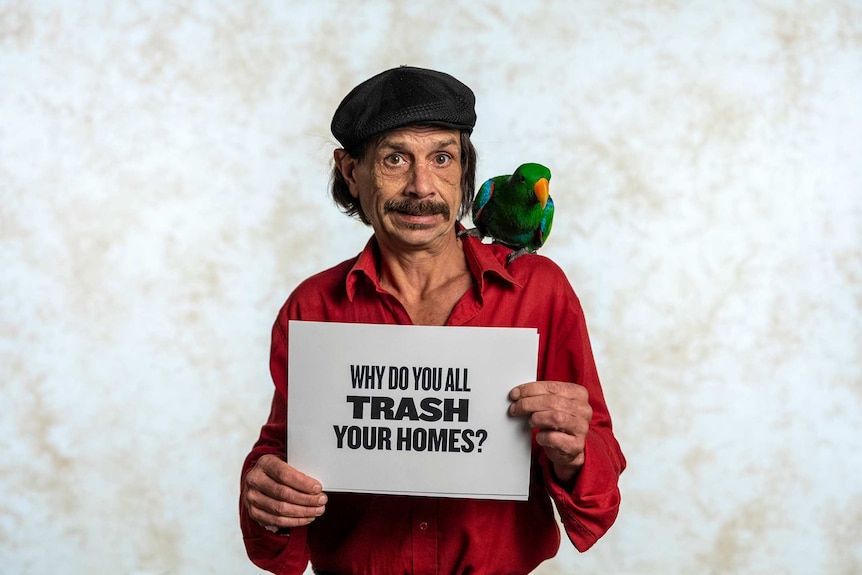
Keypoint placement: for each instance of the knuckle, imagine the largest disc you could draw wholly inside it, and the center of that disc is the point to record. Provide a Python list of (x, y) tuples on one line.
[(262, 464), (558, 419), (282, 493), (248, 504), (565, 388), (282, 508), (554, 387), (252, 484)]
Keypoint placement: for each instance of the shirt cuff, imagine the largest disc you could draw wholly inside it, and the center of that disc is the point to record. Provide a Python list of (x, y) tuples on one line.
[(589, 507)]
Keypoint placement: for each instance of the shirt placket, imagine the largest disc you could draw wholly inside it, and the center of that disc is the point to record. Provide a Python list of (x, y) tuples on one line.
[(425, 534)]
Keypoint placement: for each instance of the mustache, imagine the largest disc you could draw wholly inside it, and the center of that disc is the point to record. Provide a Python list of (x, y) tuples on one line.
[(413, 207)]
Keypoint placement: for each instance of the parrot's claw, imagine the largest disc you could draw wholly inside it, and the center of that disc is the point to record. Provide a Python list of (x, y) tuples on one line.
[(472, 232), (518, 253)]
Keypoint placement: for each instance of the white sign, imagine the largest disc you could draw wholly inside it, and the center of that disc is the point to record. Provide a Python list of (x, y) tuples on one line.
[(410, 410)]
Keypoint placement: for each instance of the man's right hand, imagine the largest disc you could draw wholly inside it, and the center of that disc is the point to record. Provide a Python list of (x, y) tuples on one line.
[(277, 495)]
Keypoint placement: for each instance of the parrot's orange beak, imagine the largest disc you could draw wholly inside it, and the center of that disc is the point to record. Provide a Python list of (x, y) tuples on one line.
[(540, 188)]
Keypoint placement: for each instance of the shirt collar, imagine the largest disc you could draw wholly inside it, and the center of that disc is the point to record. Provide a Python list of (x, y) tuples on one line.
[(482, 259), (487, 261), (365, 264)]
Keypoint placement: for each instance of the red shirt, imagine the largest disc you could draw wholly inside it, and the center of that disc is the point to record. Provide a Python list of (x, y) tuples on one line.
[(380, 534)]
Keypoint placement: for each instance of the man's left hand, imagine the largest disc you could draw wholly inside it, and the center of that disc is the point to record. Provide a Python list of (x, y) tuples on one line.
[(561, 412)]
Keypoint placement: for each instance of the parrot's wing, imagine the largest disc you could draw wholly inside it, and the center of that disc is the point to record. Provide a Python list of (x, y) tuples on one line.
[(547, 221), (482, 197)]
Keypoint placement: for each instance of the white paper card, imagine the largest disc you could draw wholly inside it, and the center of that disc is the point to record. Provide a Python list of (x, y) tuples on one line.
[(410, 410)]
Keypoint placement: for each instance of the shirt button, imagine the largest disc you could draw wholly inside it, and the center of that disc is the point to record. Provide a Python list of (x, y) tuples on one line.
[(423, 526)]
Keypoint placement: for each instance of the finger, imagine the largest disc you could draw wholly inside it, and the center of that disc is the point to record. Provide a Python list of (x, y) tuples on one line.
[(537, 403), (566, 406), (575, 419), (562, 447), (258, 481), (282, 472), (545, 387), (262, 507), (270, 520), (561, 442), (287, 494)]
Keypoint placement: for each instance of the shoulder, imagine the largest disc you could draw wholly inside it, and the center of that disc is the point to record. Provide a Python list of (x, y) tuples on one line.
[(317, 292), (529, 271), (546, 283), (326, 279), (538, 270)]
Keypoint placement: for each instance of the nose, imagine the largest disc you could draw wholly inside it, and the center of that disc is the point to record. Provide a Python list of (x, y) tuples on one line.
[(421, 184)]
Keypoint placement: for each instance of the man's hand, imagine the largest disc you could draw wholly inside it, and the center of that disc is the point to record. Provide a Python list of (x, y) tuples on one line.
[(562, 413), (276, 495)]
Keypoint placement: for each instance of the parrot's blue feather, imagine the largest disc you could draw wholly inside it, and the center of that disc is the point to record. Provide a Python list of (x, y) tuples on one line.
[(547, 220), (482, 197)]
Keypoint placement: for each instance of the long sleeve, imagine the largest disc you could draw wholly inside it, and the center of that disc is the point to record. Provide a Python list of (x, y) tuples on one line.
[(280, 554), (590, 508)]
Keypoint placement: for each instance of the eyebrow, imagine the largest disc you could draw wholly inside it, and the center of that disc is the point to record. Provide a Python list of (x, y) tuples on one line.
[(395, 144)]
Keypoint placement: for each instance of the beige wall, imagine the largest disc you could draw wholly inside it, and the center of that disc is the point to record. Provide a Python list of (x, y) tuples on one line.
[(163, 172)]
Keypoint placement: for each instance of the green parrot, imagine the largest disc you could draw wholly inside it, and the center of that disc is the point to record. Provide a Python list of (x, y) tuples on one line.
[(515, 210)]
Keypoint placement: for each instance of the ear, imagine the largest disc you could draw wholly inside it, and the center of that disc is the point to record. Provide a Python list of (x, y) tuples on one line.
[(346, 165)]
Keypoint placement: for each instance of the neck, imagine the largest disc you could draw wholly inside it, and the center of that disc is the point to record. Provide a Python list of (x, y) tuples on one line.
[(417, 269), (427, 282)]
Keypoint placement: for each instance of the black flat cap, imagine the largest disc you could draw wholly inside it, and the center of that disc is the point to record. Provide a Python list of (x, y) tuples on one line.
[(400, 97)]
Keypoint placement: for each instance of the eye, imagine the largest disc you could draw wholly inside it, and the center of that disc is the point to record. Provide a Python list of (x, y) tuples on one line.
[(395, 160), (442, 159)]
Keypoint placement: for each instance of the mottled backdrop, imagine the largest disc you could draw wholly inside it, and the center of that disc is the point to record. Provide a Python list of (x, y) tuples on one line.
[(163, 175)]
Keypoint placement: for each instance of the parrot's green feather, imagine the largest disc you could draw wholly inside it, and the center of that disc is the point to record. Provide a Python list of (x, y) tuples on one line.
[(510, 209)]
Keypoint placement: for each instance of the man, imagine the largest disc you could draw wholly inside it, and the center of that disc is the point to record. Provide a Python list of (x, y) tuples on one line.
[(406, 168)]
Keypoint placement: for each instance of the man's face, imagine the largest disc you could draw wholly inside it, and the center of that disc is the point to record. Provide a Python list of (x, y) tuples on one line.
[(409, 186)]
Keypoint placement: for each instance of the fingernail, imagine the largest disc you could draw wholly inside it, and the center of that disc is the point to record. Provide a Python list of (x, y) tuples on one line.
[(515, 393), (321, 500)]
